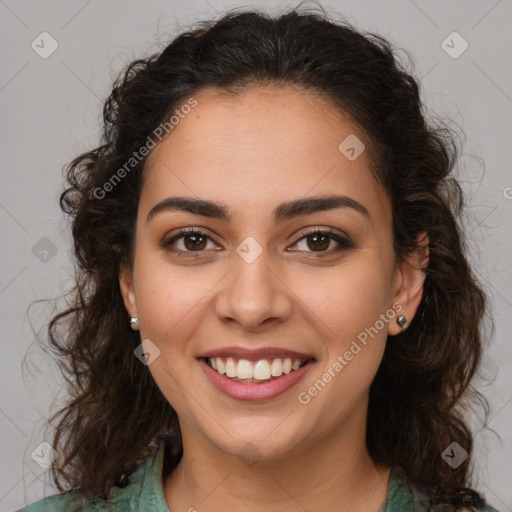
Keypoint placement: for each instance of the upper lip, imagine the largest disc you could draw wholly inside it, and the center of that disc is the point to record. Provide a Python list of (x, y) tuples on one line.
[(255, 354)]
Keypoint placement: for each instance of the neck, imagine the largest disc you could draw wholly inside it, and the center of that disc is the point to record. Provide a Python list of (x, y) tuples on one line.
[(334, 473)]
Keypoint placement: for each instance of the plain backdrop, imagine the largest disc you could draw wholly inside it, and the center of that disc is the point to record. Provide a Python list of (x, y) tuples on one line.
[(50, 111)]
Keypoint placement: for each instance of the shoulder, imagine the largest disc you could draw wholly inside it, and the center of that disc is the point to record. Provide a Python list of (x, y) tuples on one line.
[(144, 492), (59, 502), (71, 502), (485, 508), (403, 496)]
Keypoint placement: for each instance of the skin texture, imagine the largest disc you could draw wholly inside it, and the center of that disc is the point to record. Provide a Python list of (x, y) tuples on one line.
[(252, 151)]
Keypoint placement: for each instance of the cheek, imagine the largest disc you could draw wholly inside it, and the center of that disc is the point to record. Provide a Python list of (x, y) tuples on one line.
[(170, 300), (171, 304), (348, 299), (346, 307)]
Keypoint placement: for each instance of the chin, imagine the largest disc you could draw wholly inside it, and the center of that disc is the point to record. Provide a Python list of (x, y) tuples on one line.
[(251, 449)]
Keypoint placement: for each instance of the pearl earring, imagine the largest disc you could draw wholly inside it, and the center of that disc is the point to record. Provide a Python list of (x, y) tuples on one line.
[(134, 323), (401, 320)]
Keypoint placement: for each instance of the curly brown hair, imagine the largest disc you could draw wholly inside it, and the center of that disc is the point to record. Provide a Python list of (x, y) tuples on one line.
[(116, 414)]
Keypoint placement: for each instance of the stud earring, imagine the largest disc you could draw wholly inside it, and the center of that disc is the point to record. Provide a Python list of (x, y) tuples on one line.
[(401, 320), (134, 323)]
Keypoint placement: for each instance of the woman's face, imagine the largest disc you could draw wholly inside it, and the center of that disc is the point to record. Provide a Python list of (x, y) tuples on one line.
[(261, 280)]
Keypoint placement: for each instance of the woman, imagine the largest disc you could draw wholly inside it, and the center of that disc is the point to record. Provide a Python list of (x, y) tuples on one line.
[(273, 309)]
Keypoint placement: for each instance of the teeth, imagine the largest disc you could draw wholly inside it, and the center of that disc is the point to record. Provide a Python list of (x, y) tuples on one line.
[(254, 370), (261, 370), (243, 370), (230, 367)]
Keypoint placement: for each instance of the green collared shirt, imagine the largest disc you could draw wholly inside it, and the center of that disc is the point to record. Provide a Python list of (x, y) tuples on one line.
[(145, 493)]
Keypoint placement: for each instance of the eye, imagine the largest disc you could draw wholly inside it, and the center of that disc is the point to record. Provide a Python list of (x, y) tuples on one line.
[(193, 241), (318, 241), (189, 241)]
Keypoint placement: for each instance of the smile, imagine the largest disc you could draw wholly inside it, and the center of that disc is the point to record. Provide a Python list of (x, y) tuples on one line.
[(263, 370), (259, 380)]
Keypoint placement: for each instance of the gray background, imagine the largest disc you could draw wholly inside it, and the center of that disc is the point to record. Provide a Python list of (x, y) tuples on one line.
[(50, 111)]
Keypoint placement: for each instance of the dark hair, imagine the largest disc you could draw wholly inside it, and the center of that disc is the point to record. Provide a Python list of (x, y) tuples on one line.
[(116, 412)]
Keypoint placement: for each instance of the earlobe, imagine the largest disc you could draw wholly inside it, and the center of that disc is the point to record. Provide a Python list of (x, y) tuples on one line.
[(411, 275), (127, 289)]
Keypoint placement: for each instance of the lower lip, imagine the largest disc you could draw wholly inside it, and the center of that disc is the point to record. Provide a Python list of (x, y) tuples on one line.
[(254, 391)]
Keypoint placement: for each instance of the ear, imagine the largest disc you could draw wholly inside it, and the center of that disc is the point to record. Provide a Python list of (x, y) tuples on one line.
[(127, 289), (408, 283)]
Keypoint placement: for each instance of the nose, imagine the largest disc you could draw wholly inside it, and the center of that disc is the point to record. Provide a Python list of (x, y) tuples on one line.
[(253, 295)]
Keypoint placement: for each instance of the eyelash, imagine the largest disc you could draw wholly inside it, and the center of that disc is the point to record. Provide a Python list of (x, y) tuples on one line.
[(344, 243)]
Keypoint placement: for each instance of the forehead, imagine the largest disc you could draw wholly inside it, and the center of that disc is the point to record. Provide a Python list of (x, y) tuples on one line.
[(260, 147)]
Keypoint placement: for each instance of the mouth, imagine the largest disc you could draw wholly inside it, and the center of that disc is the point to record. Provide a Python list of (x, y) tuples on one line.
[(254, 380), (255, 371)]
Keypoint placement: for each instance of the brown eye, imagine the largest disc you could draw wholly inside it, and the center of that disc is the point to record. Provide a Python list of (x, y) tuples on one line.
[(319, 241), (194, 242), (188, 241)]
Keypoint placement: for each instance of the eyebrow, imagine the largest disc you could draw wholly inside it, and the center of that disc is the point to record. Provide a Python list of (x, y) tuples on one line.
[(281, 213)]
